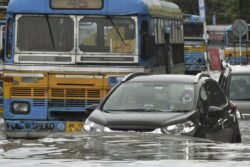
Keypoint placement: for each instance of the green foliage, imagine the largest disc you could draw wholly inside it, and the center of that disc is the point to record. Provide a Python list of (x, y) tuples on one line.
[(226, 11)]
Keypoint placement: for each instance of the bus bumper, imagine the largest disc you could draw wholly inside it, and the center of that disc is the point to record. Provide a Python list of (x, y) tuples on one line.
[(37, 129)]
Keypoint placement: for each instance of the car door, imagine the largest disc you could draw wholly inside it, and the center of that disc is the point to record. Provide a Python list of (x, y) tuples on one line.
[(220, 123)]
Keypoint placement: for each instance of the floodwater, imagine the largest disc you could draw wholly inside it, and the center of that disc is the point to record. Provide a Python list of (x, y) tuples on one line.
[(123, 149)]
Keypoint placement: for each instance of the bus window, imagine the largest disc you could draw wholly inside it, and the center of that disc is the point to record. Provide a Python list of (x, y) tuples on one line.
[(106, 34), (88, 33), (193, 30), (9, 38), (45, 33)]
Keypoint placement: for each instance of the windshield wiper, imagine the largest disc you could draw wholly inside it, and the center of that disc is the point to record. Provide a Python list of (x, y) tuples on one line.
[(116, 29), (50, 30)]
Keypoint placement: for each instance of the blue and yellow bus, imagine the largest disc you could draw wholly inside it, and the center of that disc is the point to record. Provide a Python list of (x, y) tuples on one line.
[(194, 44), (64, 55), (3, 7)]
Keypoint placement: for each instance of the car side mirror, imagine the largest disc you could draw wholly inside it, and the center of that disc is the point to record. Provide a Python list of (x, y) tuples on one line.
[(214, 111), (90, 108)]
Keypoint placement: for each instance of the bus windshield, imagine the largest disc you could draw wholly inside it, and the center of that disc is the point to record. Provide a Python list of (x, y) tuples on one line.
[(193, 30), (56, 34), (41, 33), (107, 34)]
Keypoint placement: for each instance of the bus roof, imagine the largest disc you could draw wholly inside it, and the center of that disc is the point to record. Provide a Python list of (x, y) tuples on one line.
[(111, 7), (189, 18)]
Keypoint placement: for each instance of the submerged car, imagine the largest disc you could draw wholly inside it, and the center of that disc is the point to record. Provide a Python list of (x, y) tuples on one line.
[(168, 104), (235, 82)]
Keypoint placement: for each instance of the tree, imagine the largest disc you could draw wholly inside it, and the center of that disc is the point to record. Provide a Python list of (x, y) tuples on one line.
[(226, 11), (244, 7)]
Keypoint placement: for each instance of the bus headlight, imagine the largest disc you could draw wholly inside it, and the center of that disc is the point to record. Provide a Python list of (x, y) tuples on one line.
[(178, 129), (20, 107)]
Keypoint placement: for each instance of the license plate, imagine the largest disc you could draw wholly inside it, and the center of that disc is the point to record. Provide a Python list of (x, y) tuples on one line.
[(74, 126)]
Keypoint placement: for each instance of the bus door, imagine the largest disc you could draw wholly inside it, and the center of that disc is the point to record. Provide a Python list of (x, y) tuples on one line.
[(169, 59)]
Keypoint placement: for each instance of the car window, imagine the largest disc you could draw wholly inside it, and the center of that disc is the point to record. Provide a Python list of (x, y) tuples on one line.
[(215, 97), (239, 87), (163, 96)]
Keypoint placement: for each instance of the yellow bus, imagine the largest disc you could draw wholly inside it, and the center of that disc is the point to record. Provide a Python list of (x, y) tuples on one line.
[(64, 55), (3, 6)]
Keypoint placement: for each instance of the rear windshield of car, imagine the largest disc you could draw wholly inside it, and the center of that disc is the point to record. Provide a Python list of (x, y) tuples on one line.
[(239, 88), (151, 96)]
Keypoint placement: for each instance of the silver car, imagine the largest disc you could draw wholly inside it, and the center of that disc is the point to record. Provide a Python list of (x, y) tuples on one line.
[(235, 82)]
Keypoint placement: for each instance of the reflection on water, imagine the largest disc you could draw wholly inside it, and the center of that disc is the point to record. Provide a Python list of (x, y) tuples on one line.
[(80, 163), (122, 146), (129, 148)]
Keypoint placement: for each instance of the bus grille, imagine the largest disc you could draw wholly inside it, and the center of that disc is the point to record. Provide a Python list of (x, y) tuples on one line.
[(39, 92), (21, 92), (28, 92), (39, 102), (75, 93), (60, 97), (71, 103)]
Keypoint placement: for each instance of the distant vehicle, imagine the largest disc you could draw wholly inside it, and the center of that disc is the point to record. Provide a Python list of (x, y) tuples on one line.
[(2, 41), (194, 44), (235, 82), (168, 104), (223, 38)]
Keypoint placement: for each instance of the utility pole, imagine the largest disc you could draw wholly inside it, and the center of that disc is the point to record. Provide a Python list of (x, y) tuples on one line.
[(205, 35)]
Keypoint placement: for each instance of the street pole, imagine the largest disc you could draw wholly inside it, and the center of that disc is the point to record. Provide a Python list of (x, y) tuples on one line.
[(240, 44), (240, 16), (205, 35)]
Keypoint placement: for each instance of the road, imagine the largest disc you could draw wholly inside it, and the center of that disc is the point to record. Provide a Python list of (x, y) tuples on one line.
[(114, 149)]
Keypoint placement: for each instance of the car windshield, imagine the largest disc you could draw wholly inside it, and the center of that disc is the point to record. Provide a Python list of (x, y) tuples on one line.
[(151, 97), (240, 87)]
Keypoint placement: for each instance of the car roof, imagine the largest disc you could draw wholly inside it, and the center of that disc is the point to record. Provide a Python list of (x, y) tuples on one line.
[(165, 77), (240, 69)]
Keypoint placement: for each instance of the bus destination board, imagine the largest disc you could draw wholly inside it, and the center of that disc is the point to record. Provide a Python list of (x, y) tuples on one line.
[(76, 4)]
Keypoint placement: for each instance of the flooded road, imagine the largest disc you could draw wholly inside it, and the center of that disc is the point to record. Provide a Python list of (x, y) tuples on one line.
[(123, 149)]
